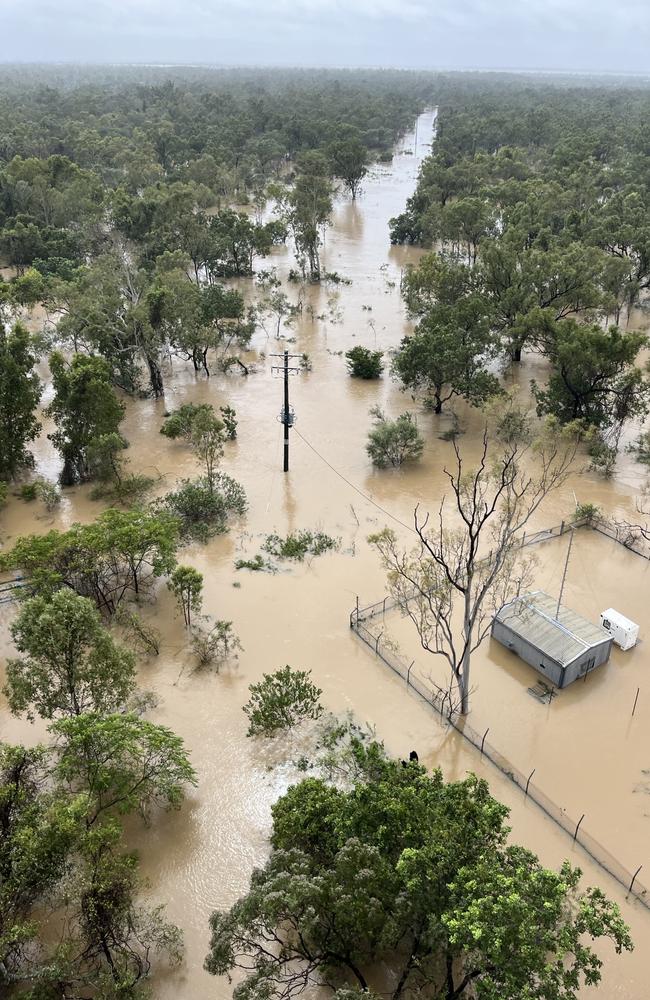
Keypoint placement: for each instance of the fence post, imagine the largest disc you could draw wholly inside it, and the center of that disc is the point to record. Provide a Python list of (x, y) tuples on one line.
[(408, 674), (523, 539), (575, 832), (634, 877), (383, 611), (483, 740), (562, 528), (377, 643), (528, 782)]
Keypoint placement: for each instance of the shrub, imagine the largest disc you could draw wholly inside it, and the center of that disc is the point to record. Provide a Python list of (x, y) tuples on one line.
[(257, 565), (281, 701), (392, 442), (364, 363), (202, 511), (229, 419), (41, 489), (214, 646), (299, 544), (180, 423), (586, 512), (640, 448)]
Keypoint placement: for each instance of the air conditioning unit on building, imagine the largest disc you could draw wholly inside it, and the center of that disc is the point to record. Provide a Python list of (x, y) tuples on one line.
[(623, 631)]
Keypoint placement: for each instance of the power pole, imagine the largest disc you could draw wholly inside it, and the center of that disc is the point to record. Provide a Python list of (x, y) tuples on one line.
[(287, 416), (566, 566)]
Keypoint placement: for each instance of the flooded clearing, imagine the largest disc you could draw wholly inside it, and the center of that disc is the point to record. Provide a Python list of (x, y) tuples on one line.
[(588, 753)]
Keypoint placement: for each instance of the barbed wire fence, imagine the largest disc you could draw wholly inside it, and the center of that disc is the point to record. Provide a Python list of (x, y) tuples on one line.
[(367, 623)]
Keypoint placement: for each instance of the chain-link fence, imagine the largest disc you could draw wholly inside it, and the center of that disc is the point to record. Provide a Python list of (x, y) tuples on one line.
[(367, 623)]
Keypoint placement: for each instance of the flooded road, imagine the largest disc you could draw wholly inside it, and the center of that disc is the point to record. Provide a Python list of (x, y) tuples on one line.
[(201, 858)]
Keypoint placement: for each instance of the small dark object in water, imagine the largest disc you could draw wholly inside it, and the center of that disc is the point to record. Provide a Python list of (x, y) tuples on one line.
[(414, 757)]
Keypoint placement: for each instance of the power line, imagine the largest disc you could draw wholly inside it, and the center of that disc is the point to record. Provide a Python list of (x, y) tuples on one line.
[(352, 485)]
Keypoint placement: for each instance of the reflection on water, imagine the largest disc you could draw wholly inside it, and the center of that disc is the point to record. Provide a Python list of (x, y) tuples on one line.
[(201, 858)]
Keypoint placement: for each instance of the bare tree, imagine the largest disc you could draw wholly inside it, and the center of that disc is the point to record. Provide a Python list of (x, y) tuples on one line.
[(469, 563)]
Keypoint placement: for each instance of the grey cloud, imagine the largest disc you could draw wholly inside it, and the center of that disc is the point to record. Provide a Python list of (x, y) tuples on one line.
[(554, 34)]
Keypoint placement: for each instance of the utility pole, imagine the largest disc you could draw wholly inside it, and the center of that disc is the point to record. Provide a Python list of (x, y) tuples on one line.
[(287, 416), (566, 566)]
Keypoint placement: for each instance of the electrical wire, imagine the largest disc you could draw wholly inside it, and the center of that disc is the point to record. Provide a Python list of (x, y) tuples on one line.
[(352, 485)]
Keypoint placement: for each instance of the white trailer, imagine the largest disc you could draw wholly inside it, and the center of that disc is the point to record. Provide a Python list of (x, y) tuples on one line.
[(623, 631)]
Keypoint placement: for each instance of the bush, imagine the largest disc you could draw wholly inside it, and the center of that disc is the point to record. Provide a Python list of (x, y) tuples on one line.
[(299, 544), (229, 419), (640, 448), (41, 489), (214, 646), (257, 565), (586, 512), (392, 442), (281, 701), (364, 363), (202, 511), (180, 423)]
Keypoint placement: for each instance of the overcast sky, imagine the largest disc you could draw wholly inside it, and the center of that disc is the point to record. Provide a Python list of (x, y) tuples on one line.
[(606, 35)]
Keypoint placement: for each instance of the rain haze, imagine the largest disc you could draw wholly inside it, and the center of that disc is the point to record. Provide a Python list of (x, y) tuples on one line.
[(575, 35)]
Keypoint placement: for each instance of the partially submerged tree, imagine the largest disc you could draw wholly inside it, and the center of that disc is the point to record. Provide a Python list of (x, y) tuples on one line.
[(20, 391), (447, 355), (409, 877), (84, 408), (393, 442), (364, 363), (186, 583), (349, 159), (280, 701), (124, 763), (70, 663), (466, 564)]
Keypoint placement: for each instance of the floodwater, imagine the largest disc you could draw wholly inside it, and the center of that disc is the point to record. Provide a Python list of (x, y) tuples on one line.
[(200, 858)]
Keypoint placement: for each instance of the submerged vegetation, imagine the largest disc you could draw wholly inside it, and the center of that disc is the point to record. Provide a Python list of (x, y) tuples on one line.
[(140, 209)]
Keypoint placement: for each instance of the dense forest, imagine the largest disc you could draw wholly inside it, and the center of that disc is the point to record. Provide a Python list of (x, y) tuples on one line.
[(132, 201), (536, 199)]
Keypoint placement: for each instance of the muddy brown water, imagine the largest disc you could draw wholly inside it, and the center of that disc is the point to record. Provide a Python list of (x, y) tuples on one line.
[(201, 858)]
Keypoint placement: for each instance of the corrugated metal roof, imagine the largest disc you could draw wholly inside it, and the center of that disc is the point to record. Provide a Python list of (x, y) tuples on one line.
[(533, 617)]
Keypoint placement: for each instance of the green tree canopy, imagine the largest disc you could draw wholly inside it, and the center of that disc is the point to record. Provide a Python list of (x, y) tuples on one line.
[(409, 873), (84, 409), (70, 662), (20, 391)]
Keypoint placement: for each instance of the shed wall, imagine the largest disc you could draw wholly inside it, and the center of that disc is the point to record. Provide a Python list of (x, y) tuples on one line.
[(548, 667), (555, 672)]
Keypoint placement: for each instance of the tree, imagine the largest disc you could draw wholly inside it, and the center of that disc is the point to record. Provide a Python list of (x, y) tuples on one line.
[(364, 363), (85, 408), (110, 937), (594, 376), (202, 509), (406, 872), (71, 663), (186, 583), (310, 206), (178, 424), (122, 762), (349, 159), (20, 391), (281, 701), (447, 355), (207, 439), (393, 442), (450, 586), (39, 831), (119, 554)]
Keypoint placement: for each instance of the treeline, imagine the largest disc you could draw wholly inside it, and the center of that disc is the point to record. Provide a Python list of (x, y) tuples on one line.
[(117, 192), (536, 200)]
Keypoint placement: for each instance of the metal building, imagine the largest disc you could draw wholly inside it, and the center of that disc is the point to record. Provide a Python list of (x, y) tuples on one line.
[(560, 646)]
